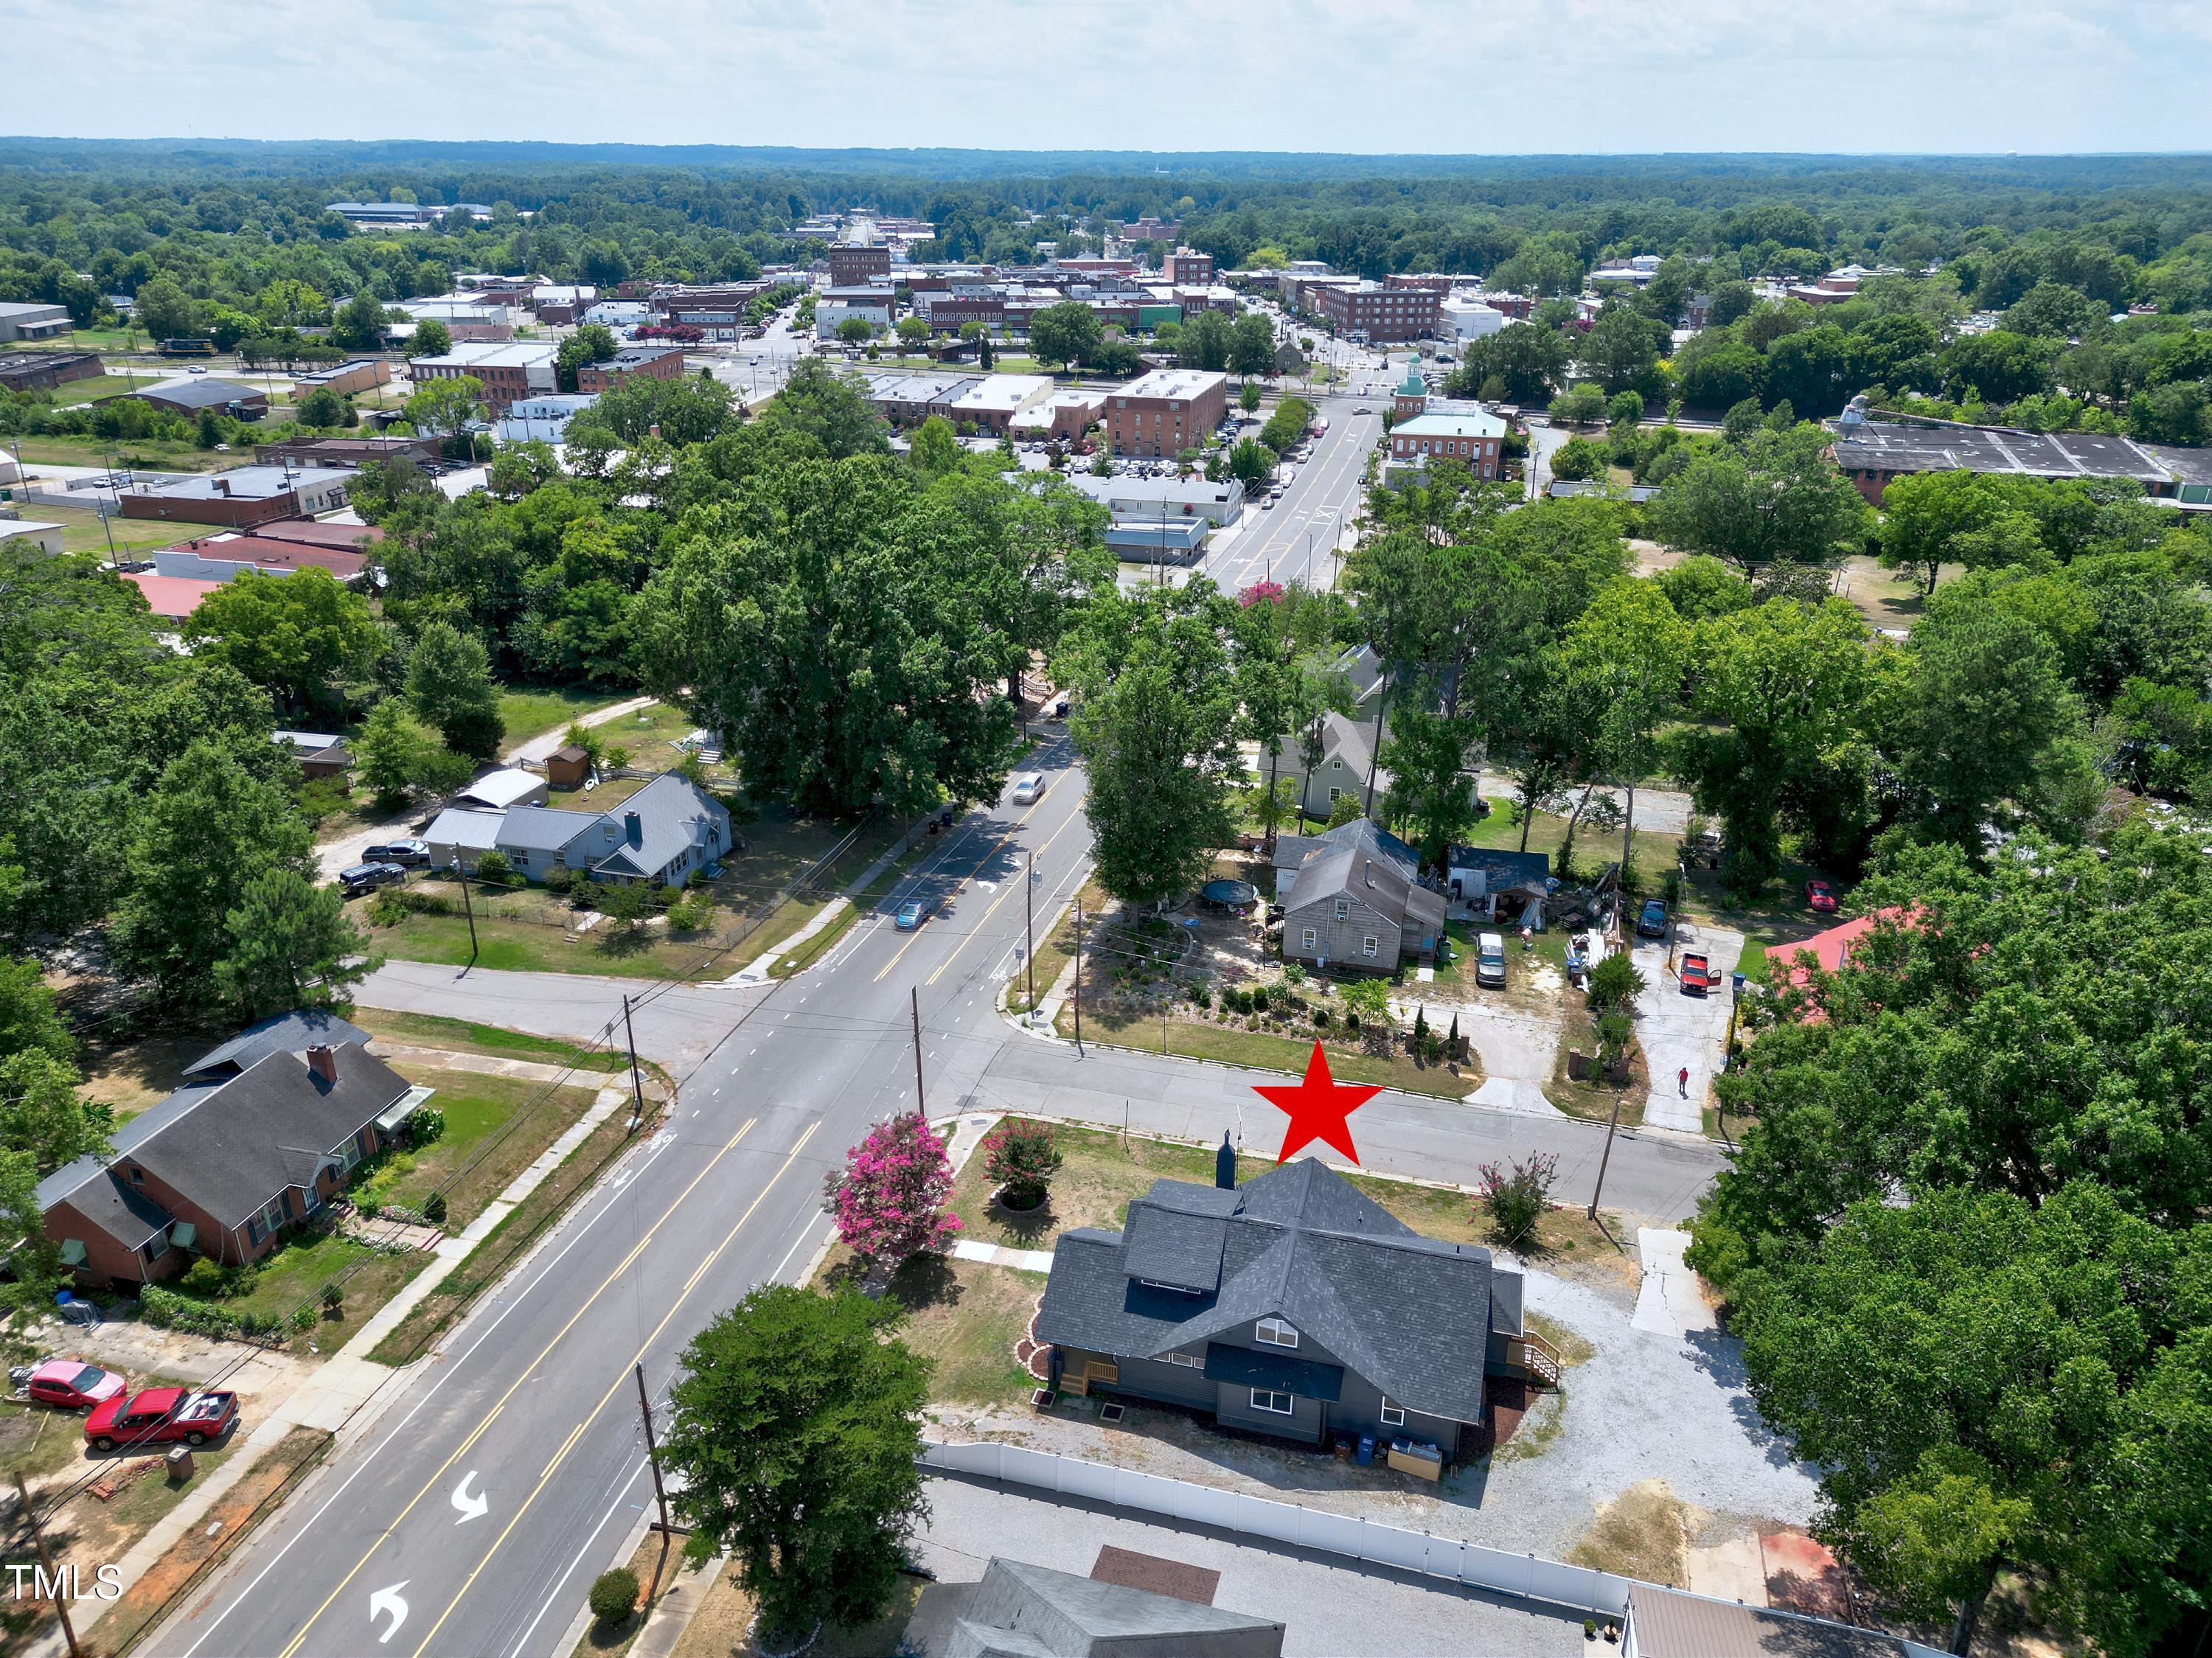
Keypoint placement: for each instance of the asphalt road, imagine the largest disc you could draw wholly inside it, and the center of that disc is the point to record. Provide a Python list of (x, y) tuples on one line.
[(1293, 540), (472, 1518)]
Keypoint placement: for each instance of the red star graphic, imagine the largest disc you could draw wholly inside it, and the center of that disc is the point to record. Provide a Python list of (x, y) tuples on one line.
[(1319, 1107)]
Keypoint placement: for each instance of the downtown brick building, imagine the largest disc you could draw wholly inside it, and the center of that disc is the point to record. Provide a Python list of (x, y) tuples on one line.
[(1165, 412), (1380, 314)]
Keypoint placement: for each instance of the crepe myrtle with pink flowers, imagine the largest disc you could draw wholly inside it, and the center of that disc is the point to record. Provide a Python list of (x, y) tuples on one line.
[(889, 1199)]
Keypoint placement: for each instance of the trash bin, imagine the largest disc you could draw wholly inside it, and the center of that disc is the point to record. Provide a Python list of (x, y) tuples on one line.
[(179, 1461), (1367, 1450)]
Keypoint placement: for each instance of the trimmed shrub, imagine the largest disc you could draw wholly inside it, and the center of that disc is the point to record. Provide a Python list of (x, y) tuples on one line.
[(614, 1595), (426, 1126), (434, 1209), (1022, 1157)]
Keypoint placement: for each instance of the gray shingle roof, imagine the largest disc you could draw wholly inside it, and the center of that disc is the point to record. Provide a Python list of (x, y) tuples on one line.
[(543, 828), (1363, 865), (1033, 1611), (271, 1127), (283, 1033), (1412, 1315), (670, 811), (106, 1200)]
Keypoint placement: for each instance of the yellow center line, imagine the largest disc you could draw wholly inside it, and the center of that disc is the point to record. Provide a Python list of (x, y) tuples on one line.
[(977, 932), (621, 1380), (915, 937), (490, 1416)]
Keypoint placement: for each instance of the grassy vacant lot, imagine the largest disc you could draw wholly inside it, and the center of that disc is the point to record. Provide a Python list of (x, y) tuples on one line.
[(528, 947), (82, 532), (1268, 1052), (495, 1127), (1102, 1170), (531, 711), (967, 1315), (147, 454)]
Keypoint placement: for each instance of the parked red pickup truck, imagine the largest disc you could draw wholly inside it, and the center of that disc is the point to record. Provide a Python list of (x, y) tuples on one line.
[(1697, 977), (161, 1416)]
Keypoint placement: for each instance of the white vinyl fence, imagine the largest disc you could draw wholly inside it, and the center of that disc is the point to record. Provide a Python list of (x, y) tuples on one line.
[(1576, 1587)]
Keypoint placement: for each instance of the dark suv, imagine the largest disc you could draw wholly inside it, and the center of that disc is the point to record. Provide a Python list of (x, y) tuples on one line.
[(1651, 921), (367, 877), (411, 854)]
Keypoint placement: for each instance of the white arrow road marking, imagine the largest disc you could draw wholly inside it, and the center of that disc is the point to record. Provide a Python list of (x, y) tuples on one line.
[(389, 1600), (472, 1508)]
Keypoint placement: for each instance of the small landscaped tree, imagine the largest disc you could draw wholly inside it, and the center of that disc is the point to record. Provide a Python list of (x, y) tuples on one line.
[(1022, 1157), (1614, 982), (889, 1199), (1516, 1197)]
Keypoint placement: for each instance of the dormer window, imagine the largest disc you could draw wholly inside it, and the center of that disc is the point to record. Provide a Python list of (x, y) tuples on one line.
[(1275, 1334)]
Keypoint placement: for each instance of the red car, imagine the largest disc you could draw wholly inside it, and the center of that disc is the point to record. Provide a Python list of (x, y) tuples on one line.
[(72, 1385), (1819, 895), (1697, 976), (161, 1416)]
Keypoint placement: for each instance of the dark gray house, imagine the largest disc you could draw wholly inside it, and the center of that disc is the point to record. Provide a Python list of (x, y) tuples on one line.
[(1355, 902), (1292, 1306)]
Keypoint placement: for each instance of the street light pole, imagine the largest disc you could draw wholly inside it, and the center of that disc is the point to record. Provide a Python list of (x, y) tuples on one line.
[(913, 1001), (1078, 974), (1029, 929)]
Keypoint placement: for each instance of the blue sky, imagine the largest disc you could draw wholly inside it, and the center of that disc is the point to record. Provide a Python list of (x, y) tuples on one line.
[(1510, 76)]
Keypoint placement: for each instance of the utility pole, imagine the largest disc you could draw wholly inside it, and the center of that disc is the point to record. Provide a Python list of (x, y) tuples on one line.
[(659, 1491), (637, 1082), (1078, 974), (46, 1563), (468, 904), (914, 1001), (1606, 1158), (1028, 928)]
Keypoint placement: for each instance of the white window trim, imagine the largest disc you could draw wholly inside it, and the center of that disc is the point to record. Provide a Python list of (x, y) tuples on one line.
[(1263, 1399), (1307, 938), (1189, 1361), (1392, 1414), (1344, 909), (1368, 945), (1270, 1332)]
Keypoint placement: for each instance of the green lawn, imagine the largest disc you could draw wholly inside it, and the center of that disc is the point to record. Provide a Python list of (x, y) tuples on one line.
[(102, 386), (147, 453), (294, 1274), (495, 1126), (82, 532), (1269, 1052), (466, 1036), (525, 947), (531, 711)]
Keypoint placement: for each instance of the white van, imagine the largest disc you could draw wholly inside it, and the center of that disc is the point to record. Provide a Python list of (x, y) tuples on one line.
[(1029, 788), (1490, 960)]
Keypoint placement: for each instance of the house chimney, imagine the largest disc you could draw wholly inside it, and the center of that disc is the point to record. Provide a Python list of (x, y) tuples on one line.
[(633, 828), (1225, 1164), (222, 486), (322, 1060), (1368, 869)]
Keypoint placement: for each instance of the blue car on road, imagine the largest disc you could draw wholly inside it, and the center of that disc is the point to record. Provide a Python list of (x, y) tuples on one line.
[(911, 914)]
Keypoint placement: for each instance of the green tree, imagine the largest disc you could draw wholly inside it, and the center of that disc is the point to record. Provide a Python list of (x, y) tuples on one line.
[(1529, 362), (1786, 691), (855, 331), (449, 686), (1252, 346), (359, 326), (1065, 333), (845, 628), (431, 337), (211, 826), (322, 407), (1207, 341), (1248, 397), (831, 408), (45, 1123), (913, 333), (1431, 756), (934, 449), (291, 946), (394, 757), (444, 408), (1621, 350), (165, 311), (1578, 459), (1777, 497), (1926, 516), (1986, 716), (795, 1438), (1251, 463), (592, 343), (1626, 654), (303, 637)]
